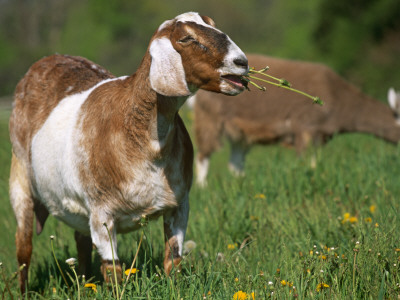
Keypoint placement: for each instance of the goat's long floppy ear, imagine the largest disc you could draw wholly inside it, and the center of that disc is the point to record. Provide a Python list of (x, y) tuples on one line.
[(167, 76)]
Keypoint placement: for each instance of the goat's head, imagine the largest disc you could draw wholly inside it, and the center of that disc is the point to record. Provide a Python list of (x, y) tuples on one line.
[(189, 53)]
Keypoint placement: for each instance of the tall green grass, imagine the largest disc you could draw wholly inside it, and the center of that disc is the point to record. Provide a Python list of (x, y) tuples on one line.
[(283, 231)]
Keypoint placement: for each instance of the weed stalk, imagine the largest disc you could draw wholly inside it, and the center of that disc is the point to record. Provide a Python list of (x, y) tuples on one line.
[(113, 260), (279, 83), (55, 258), (5, 282)]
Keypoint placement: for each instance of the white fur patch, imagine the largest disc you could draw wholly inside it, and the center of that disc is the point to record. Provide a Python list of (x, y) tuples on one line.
[(193, 17), (187, 17), (234, 52), (55, 162), (394, 103), (201, 171)]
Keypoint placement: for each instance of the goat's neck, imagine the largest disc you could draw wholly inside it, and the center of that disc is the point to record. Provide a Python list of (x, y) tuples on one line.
[(167, 108), (150, 109)]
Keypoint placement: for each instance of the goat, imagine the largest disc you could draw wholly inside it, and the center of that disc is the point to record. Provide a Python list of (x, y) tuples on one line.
[(93, 149), (279, 115)]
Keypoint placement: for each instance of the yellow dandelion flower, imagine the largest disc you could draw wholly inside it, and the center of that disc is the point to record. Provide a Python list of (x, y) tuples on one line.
[(278, 270), (322, 286), (54, 290), (372, 208), (283, 282), (253, 296), (290, 284), (260, 196), (131, 271), (368, 220), (353, 220), (240, 295), (323, 257), (236, 279), (346, 216), (308, 271), (91, 286), (311, 252), (376, 225), (397, 250), (254, 218), (231, 246), (209, 293)]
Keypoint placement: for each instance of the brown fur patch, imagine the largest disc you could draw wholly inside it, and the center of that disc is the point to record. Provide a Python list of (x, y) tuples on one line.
[(107, 269), (172, 259), (45, 84)]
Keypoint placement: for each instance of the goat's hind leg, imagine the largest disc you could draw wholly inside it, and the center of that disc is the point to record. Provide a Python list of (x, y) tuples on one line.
[(23, 206), (237, 158), (84, 247)]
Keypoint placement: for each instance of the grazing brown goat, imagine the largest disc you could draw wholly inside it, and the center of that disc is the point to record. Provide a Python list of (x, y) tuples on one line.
[(276, 115), (92, 149)]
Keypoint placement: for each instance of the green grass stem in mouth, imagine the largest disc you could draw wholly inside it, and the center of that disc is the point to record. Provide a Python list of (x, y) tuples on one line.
[(279, 82)]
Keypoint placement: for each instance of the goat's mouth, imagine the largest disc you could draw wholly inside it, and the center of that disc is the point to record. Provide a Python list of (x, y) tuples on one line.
[(235, 80)]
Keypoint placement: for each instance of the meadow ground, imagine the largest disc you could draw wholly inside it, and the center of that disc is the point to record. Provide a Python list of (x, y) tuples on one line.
[(283, 231)]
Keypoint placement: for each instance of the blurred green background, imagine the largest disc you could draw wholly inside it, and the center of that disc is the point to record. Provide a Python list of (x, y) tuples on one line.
[(360, 39)]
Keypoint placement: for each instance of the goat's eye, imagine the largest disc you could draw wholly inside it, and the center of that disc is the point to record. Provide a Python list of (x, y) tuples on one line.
[(187, 39)]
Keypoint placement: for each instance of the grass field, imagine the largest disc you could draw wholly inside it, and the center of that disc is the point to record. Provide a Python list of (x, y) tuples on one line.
[(284, 231)]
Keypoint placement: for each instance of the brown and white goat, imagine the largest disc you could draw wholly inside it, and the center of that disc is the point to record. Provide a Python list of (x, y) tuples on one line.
[(92, 149), (280, 115)]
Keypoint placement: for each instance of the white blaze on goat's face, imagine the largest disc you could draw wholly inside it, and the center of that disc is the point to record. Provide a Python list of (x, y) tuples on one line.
[(210, 60)]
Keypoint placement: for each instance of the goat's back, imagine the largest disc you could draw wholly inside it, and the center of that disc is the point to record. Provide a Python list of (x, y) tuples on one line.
[(45, 84)]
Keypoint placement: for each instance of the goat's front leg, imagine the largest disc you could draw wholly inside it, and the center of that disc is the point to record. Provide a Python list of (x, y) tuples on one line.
[(175, 223), (102, 242)]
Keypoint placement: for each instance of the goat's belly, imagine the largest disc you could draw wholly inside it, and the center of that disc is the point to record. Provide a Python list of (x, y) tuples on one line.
[(149, 195)]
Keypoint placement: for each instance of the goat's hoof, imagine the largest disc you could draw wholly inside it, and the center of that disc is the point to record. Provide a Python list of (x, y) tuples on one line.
[(174, 265), (107, 269)]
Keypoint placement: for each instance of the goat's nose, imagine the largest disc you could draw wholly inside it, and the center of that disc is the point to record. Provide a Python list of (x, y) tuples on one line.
[(241, 61)]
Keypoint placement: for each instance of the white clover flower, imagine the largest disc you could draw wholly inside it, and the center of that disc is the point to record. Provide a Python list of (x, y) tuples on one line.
[(270, 283), (71, 261), (52, 237), (220, 256), (189, 246)]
